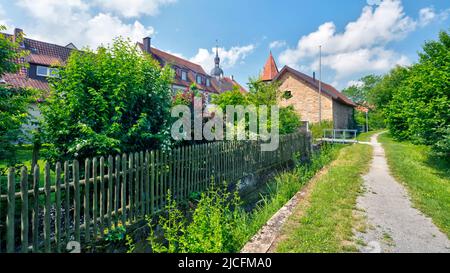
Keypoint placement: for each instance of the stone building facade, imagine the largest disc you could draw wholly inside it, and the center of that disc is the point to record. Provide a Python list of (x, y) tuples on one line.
[(302, 92)]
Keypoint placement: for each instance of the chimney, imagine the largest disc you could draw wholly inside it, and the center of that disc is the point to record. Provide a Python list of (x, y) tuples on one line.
[(232, 77), (18, 36), (314, 76), (147, 45)]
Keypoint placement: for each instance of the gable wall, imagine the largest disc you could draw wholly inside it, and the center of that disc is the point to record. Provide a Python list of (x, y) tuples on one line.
[(305, 100)]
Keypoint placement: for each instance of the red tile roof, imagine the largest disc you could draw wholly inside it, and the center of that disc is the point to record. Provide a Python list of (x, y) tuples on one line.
[(217, 85), (22, 81), (270, 69), (41, 53), (326, 88)]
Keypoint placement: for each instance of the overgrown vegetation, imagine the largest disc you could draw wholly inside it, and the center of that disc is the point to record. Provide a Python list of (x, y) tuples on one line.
[(112, 101), (219, 224), (426, 177), (323, 223), (14, 102), (260, 94), (317, 128), (413, 101)]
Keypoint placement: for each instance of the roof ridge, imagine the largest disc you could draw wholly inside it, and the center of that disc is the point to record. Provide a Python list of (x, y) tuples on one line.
[(174, 56)]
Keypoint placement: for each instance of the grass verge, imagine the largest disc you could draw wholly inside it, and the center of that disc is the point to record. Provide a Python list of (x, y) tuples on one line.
[(426, 178), (324, 224), (365, 137)]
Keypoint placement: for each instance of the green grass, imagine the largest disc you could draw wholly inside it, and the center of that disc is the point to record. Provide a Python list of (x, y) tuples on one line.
[(426, 178), (365, 137), (24, 156), (324, 223), (283, 188)]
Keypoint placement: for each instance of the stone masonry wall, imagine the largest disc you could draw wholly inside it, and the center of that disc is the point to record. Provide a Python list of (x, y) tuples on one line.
[(305, 100)]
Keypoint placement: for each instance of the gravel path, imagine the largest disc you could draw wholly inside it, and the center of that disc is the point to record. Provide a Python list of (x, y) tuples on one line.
[(393, 225)]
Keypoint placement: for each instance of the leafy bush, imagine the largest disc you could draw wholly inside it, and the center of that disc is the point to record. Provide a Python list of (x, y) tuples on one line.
[(419, 108), (112, 101), (260, 94), (14, 102), (317, 128), (219, 224), (213, 228)]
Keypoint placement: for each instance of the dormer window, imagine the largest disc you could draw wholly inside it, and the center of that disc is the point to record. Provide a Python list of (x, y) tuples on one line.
[(45, 71), (208, 82), (199, 79), (183, 75)]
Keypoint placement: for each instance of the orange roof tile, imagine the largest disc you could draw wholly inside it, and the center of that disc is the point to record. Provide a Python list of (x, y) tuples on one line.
[(270, 69)]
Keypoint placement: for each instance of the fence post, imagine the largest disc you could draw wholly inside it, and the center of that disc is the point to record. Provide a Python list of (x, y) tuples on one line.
[(110, 190), (47, 244), (87, 193), (24, 199), (152, 182), (124, 188), (102, 195), (76, 183), (95, 206), (11, 200), (67, 202), (58, 207), (36, 174)]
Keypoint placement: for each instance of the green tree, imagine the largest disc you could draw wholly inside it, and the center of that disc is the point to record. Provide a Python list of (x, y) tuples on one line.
[(261, 93), (360, 94), (14, 102), (419, 109), (112, 101)]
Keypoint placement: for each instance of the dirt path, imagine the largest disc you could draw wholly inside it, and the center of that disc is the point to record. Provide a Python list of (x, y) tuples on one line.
[(393, 224)]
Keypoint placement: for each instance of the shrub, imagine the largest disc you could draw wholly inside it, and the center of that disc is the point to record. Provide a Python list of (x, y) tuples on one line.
[(112, 101)]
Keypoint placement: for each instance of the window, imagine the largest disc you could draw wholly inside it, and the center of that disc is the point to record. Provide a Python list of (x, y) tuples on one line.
[(208, 82), (44, 71), (287, 95), (199, 79), (183, 75)]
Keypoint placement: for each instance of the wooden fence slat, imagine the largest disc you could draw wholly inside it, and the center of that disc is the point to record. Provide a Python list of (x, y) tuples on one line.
[(24, 199), (102, 195), (141, 183), (136, 186), (131, 185), (35, 223), (58, 215), (66, 203), (124, 188), (11, 201), (47, 230), (147, 183), (117, 190), (110, 191), (87, 197), (152, 182), (95, 205), (77, 197)]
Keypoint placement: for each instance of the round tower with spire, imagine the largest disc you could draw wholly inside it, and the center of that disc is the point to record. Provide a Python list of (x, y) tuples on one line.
[(217, 71)]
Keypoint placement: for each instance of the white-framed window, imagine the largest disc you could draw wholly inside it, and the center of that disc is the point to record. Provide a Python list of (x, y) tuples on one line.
[(199, 79), (183, 75), (45, 71), (208, 82)]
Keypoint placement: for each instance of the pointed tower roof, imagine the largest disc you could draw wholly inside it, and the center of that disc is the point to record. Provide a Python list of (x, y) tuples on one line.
[(270, 69)]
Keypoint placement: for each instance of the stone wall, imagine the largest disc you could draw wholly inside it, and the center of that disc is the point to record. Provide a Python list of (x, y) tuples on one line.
[(305, 100)]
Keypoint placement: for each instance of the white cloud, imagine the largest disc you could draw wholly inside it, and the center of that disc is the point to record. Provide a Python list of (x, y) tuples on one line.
[(355, 83), (133, 8), (361, 47), (277, 44), (103, 28), (426, 16), (228, 58), (71, 21)]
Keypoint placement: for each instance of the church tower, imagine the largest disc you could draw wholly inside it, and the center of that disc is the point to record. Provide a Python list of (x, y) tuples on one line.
[(217, 71)]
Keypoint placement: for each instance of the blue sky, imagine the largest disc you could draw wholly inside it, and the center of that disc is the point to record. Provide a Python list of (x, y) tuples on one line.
[(359, 37)]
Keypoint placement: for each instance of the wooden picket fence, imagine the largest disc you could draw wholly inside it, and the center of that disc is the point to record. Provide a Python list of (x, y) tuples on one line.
[(110, 191)]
